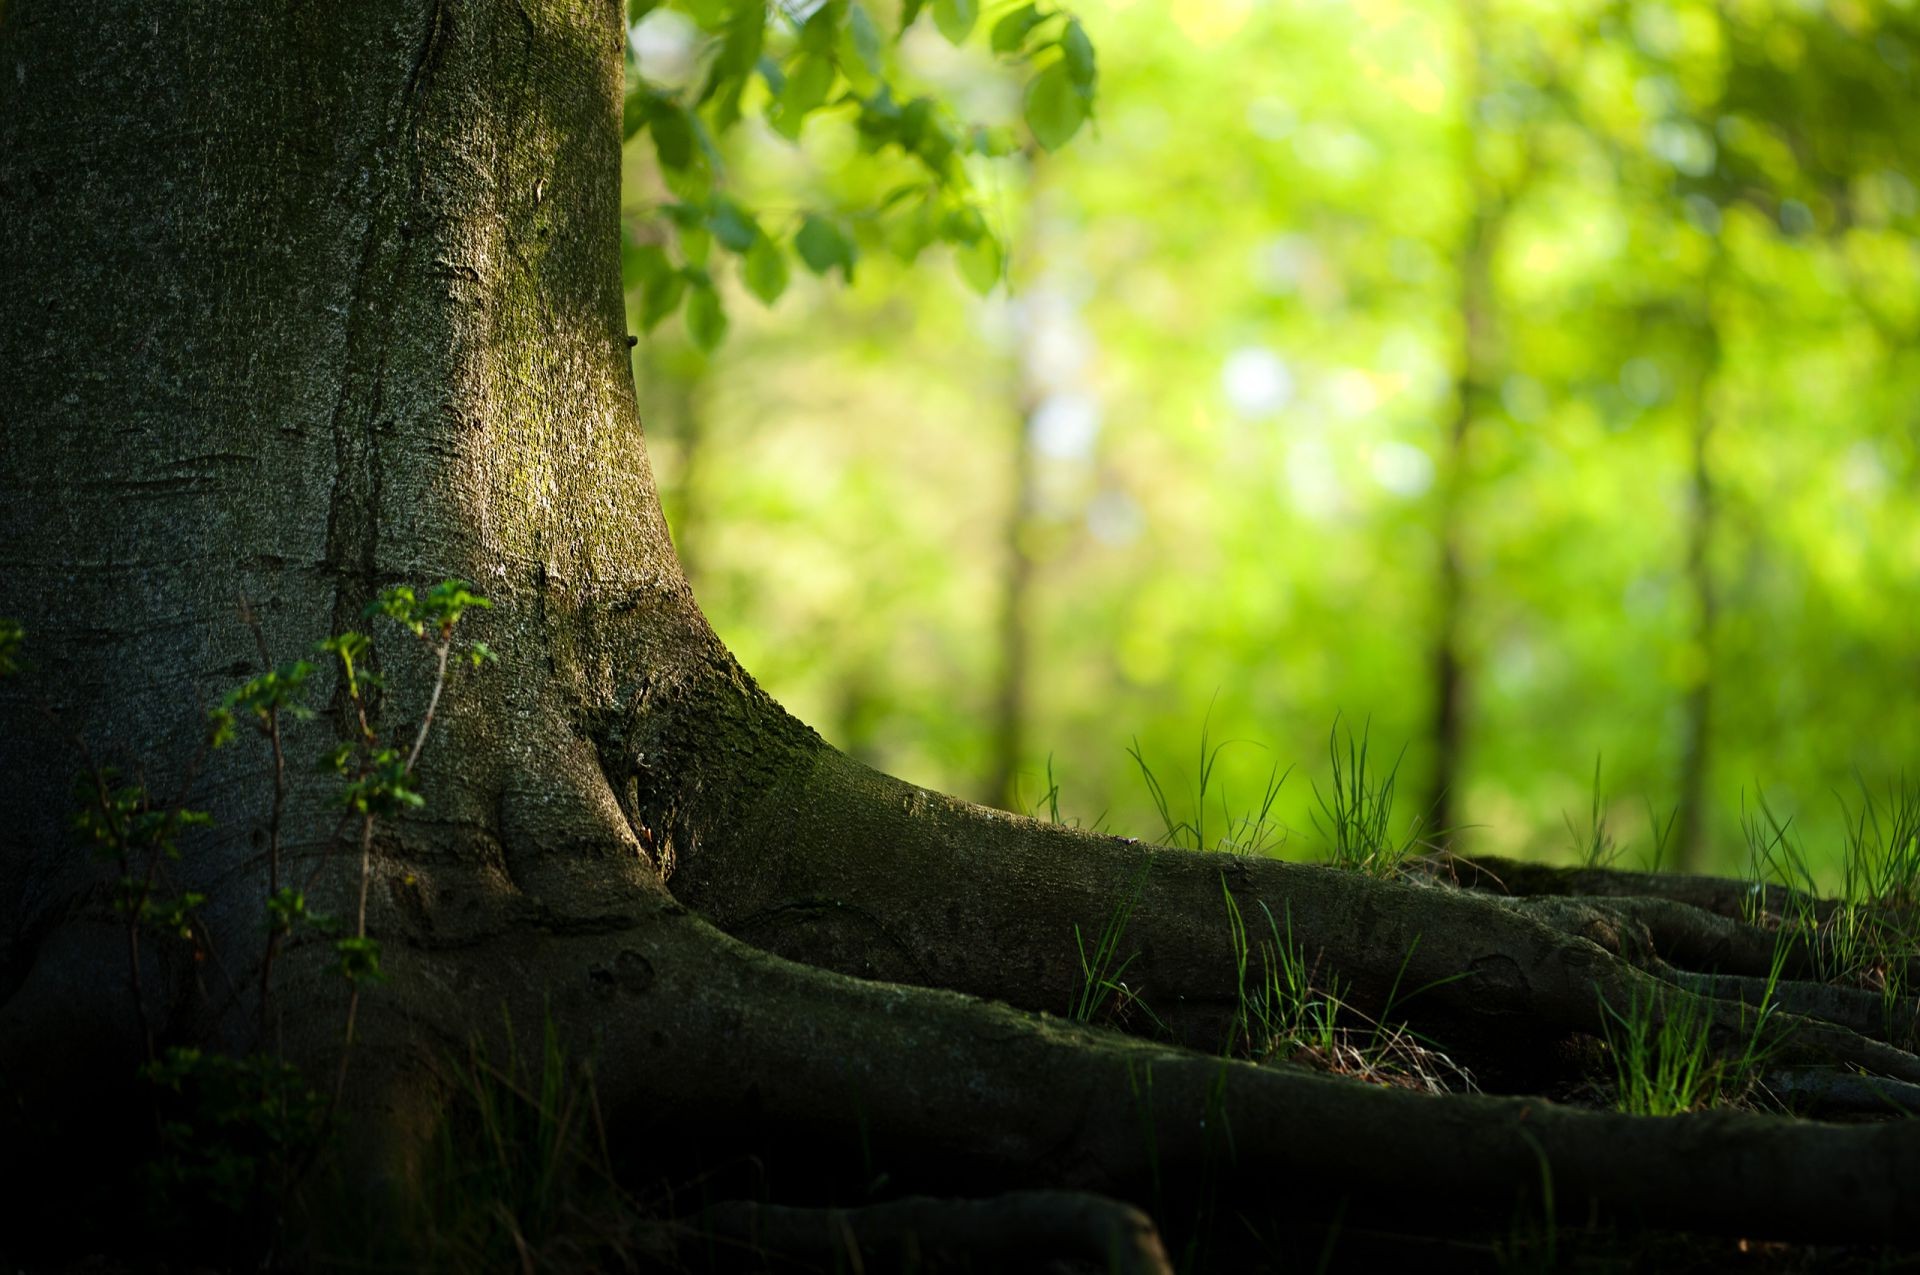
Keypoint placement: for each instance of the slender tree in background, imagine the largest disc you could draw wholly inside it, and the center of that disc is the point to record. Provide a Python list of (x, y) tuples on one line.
[(1010, 700), (1476, 358), (1696, 751), (305, 302)]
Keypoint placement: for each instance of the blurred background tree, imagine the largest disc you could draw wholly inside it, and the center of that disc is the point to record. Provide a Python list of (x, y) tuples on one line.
[(1524, 384)]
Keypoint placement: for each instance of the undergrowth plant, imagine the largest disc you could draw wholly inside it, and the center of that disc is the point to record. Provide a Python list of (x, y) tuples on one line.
[(1667, 1057), (1289, 1012), (1868, 934), (1104, 995), (1251, 831), (234, 1132), (519, 1175), (1594, 846), (1356, 811)]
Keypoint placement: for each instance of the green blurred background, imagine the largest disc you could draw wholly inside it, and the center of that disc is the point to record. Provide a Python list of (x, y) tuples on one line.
[(1526, 384)]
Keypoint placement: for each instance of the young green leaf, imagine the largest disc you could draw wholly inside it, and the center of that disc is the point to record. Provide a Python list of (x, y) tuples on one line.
[(807, 84), (733, 225), (765, 270), (672, 131), (822, 246), (1076, 53), (979, 263), (1055, 107), (1010, 32), (955, 18), (706, 318), (817, 33), (861, 39), (661, 298)]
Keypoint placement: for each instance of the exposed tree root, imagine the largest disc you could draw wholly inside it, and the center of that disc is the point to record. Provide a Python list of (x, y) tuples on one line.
[(1826, 1092), (942, 1088), (1719, 895), (884, 880), (1022, 1230)]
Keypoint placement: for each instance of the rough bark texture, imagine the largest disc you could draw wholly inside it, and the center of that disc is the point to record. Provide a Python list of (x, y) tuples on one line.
[(307, 301)]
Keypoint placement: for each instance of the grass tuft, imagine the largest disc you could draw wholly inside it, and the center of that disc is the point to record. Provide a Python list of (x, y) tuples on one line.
[(1356, 812)]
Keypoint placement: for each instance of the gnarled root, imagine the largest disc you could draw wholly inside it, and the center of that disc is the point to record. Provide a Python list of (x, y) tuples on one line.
[(1022, 1230), (941, 1087)]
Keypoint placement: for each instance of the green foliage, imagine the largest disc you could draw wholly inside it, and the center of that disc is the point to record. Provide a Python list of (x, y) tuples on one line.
[(122, 822), (698, 70), (1356, 811), (287, 911), (382, 784), (259, 701), (1250, 831), (359, 959), (1104, 994), (1249, 285), (233, 1133), (519, 1176), (13, 636), (1291, 1011), (1668, 1058), (1594, 847), (1282, 1012), (434, 615), (1868, 936)]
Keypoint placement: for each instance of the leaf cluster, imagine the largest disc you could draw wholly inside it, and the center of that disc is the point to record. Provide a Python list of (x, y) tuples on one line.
[(792, 63)]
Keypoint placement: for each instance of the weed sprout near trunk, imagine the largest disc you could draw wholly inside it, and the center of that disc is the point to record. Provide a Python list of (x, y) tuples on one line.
[(236, 1132)]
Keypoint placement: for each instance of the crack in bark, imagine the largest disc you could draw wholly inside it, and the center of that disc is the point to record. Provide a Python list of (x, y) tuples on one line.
[(353, 514)]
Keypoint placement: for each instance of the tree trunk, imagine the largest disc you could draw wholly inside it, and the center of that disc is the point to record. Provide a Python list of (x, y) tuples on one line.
[(1696, 764), (1475, 313), (1016, 604), (309, 301)]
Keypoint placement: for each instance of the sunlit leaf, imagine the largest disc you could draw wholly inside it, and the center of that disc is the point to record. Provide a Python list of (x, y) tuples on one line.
[(765, 270), (672, 132), (979, 263), (1055, 107), (706, 317), (822, 246), (807, 84), (1010, 32), (1076, 53), (733, 225), (955, 18)]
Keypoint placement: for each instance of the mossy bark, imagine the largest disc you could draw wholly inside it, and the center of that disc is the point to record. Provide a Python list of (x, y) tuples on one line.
[(308, 301)]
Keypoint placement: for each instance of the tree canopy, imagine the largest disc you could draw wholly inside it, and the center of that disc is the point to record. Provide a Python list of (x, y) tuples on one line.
[(1232, 326)]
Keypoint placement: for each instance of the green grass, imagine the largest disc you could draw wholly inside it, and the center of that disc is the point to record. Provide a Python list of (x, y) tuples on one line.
[(519, 1177), (1868, 934), (1594, 845), (1356, 811), (1103, 994), (1665, 1058), (1289, 1012), (1252, 831), (1281, 1012)]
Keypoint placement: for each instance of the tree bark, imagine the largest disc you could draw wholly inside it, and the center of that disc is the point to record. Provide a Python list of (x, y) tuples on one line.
[(310, 301), (1696, 743), (1476, 313)]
